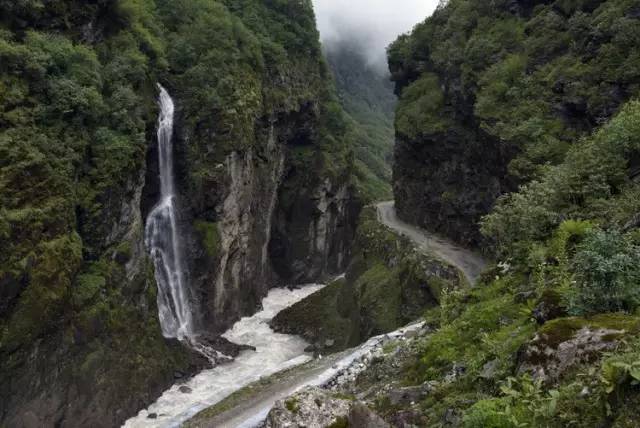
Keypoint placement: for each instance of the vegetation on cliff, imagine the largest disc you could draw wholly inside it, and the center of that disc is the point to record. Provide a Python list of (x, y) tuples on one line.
[(493, 92), (367, 97), (77, 118), (549, 336)]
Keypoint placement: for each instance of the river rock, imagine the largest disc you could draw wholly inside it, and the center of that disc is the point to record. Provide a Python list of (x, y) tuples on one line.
[(223, 345), (185, 389)]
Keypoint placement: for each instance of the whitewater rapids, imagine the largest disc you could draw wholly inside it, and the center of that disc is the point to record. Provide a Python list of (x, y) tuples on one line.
[(274, 352)]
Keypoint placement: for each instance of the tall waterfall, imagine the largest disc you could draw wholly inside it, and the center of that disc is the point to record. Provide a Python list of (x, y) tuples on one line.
[(162, 239)]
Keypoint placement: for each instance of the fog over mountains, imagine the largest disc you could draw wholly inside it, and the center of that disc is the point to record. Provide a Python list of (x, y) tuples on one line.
[(371, 24)]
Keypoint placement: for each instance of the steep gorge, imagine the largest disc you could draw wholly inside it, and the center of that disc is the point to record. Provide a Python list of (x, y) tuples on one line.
[(518, 131), (367, 96), (263, 181)]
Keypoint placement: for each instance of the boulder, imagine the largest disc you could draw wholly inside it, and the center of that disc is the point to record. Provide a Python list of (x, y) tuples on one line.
[(311, 407), (566, 342), (223, 345)]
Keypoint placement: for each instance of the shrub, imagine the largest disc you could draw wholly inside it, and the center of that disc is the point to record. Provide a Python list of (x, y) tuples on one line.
[(607, 275), (592, 184), (487, 413), (550, 263)]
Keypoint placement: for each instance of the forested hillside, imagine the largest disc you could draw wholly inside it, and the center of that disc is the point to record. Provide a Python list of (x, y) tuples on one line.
[(517, 132), (518, 129), (367, 96), (492, 92), (259, 135)]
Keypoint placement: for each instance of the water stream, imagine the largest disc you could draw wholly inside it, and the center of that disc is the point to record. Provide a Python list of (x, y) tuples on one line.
[(162, 239), (274, 352)]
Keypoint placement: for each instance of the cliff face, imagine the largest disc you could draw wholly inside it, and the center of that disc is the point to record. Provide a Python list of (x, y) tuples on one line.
[(490, 93), (265, 171), (447, 181), (263, 174), (269, 218)]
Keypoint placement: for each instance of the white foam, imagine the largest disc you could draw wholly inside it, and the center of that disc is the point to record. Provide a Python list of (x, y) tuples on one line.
[(274, 352)]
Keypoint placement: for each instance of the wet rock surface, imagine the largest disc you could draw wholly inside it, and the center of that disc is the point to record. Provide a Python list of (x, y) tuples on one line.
[(223, 345)]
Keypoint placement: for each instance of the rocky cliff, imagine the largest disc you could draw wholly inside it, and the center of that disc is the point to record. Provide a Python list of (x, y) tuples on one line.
[(263, 172), (492, 92)]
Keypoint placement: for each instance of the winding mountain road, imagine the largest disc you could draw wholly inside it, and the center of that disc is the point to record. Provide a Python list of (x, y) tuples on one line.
[(252, 409), (468, 262)]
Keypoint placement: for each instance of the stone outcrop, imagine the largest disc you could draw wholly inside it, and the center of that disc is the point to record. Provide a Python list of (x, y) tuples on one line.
[(268, 228), (316, 407), (548, 361), (311, 407), (446, 182), (565, 343)]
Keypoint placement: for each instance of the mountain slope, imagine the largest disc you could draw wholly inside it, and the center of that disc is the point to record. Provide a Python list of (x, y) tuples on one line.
[(367, 97), (492, 92), (259, 136), (518, 130)]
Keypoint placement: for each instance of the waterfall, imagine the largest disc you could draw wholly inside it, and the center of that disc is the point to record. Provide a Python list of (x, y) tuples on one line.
[(162, 239)]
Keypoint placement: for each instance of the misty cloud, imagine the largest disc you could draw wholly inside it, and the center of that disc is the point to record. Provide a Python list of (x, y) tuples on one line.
[(369, 24)]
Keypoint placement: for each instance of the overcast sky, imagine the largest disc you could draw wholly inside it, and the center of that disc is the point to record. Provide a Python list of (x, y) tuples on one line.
[(375, 23)]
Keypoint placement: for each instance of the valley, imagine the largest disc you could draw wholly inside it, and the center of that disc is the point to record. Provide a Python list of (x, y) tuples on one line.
[(323, 214)]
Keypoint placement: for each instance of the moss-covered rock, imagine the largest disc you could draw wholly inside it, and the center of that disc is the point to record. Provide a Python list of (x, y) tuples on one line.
[(209, 237), (324, 319), (310, 407), (565, 343)]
